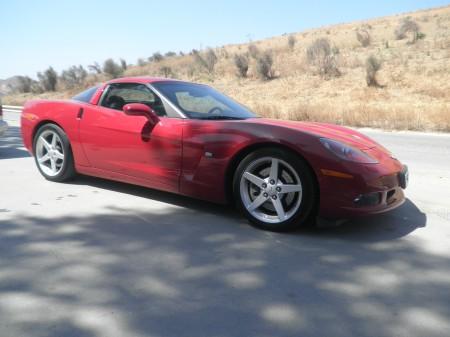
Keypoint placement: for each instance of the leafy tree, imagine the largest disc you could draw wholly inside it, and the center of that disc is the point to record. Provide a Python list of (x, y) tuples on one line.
[(156, 57), (141, 62), (170, 54), (95, 68), (48, 79), (123, 64), (74, 76), (23, 84), (112, 69)]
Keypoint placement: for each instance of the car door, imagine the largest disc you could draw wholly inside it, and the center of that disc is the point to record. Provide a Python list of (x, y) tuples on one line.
[(115, 142)]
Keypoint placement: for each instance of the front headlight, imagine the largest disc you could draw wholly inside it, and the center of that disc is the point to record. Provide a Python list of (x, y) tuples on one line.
[(346, 152)]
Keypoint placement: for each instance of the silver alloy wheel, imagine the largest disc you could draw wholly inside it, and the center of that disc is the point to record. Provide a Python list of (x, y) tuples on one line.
[(50, 153), (271, 190)]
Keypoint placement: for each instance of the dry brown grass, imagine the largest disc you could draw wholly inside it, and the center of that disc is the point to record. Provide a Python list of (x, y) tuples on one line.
[(415, 78), (397, 118)]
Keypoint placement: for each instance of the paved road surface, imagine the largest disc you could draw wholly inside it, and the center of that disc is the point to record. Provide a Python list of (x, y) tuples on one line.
[(98, 258)]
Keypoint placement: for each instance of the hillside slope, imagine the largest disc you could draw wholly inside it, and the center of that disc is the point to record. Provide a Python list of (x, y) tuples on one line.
[(414, 78)]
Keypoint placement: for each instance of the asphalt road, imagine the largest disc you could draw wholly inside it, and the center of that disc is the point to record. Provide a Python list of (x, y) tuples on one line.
[(99, 258)]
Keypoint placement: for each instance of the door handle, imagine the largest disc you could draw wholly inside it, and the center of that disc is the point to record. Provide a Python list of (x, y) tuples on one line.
[(80, 113)]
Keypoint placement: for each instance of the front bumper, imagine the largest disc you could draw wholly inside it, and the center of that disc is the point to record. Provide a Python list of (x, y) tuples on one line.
[(372, 190), (3, 127)]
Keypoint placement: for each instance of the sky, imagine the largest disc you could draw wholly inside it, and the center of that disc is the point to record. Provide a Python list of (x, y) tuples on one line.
[(39, 34)]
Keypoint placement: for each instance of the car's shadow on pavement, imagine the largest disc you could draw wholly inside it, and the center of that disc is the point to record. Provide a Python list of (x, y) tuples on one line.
[(156, 195), (192, 268), (197, 269), (381, 227), (389, 226), (11, 145)]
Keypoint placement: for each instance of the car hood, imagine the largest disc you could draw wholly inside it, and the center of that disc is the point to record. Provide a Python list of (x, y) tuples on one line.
[(331, 131)]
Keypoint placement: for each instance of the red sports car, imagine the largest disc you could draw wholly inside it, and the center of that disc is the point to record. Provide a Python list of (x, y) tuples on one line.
[(189, 139)]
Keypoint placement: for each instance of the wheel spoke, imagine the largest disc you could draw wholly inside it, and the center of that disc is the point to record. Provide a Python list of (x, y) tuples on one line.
[(44, 158), (53, 165), (274, 170), (54, 140), (290, 188), (254, 179), (257, 202), (59, 155), (279, 208), (45, 143)]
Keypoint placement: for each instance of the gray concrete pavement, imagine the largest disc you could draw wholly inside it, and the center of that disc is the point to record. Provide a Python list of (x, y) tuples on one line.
[(99, 258)]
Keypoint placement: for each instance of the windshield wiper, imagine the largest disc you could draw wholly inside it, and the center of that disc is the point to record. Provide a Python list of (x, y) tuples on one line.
[(221, 118)]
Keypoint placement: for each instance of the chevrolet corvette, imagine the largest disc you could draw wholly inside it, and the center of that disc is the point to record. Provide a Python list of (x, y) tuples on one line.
[(190, 139)]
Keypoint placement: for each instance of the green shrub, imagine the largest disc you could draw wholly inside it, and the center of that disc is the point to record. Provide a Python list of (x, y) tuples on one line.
[(208, 61), (420, 36), (264, 64), (372, 67), (363, 37), (407, 26), (291, 42), (321, 55), (166, 71), (241, 63)]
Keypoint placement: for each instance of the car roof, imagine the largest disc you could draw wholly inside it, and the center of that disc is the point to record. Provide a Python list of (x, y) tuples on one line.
[(140, 79)]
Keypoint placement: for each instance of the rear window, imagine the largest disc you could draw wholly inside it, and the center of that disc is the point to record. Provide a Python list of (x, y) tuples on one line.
[(86, 95)]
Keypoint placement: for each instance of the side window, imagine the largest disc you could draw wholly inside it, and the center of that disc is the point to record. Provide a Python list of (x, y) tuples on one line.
[(119, 94), (86, 95)]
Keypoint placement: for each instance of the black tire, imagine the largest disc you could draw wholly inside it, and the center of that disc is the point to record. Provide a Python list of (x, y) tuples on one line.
[(67, 171), (306, 209)]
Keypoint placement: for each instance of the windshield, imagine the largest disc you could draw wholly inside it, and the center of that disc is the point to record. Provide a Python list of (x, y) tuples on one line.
[(199, 101)]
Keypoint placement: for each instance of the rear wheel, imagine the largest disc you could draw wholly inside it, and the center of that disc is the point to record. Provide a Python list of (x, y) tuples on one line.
[(275, 189), (53, 154)]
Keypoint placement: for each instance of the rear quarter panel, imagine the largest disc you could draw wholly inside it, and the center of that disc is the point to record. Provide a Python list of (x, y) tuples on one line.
[(63, 113)]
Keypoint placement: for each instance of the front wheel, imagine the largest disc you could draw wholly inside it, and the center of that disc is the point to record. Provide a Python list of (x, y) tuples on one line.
[(275, 189), (53, 154)]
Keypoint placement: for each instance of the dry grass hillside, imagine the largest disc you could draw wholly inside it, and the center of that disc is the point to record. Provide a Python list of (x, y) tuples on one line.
[(413, 90)]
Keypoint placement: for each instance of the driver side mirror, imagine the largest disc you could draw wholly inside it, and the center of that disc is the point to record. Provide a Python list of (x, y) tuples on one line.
[(139, 109)]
